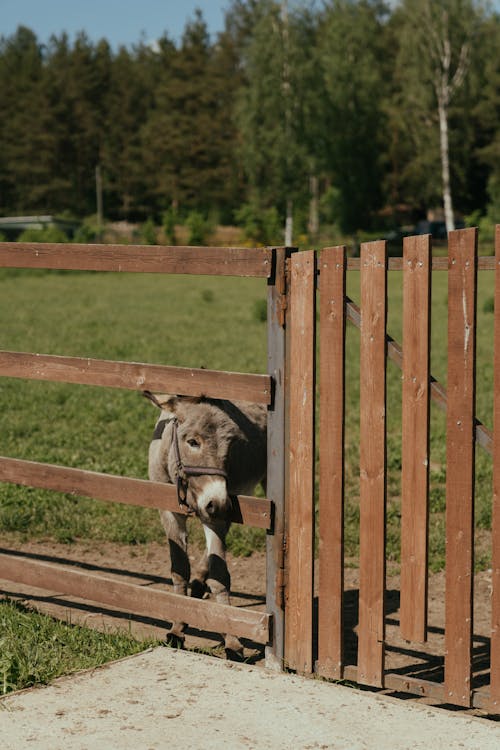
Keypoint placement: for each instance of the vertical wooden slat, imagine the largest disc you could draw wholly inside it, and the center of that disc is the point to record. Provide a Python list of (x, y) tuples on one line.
[(371, 633), (276, 357), (300, 514), (415, 436), (331, 464), (462, 289), (495, 563)]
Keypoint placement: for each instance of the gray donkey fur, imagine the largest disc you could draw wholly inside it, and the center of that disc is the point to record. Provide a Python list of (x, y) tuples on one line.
[(225, 436)]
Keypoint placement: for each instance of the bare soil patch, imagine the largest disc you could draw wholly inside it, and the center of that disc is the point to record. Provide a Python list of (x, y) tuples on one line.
[(147, 565)]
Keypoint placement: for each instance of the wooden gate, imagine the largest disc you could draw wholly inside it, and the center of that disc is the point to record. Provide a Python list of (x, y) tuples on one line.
[(314, 617), (268, 389)]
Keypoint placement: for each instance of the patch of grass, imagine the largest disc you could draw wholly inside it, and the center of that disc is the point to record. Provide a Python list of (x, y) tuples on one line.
[(134, 317), (36, 648)]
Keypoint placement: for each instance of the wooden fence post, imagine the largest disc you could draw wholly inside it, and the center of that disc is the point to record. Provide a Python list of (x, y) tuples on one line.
[(333, 265), (371, 637), (415, 436), (300, 512), (277, 303), (462, 292)]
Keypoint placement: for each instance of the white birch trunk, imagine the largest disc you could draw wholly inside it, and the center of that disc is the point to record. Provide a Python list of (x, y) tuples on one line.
[(289, 224), (445, 166)]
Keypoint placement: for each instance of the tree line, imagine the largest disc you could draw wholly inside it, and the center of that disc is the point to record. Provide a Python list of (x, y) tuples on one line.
[(355, 114)]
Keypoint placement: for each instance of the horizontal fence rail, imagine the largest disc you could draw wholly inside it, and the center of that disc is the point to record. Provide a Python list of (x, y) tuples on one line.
[(213, 261), (252, 511), (136, 376), (140, 600)]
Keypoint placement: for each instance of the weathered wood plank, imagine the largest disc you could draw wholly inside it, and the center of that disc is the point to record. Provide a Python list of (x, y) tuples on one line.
[(462, 292), (213, 261), (371, 634), (415, 437), (331, 465), (277, 304), (247, 510), (137, 599), (485, 262), (136, 376), (495, 527), (300, 514)]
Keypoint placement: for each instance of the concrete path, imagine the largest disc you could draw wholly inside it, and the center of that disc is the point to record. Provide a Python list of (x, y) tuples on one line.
[(173, 699)]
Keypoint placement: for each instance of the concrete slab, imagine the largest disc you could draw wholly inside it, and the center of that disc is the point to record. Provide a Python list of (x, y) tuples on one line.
[(176, 699)]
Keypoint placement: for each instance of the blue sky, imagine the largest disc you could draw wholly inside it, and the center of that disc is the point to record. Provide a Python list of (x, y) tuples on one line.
[(119, 21)]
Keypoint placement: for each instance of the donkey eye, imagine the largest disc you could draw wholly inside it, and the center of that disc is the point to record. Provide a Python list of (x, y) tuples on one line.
[(193, 443)]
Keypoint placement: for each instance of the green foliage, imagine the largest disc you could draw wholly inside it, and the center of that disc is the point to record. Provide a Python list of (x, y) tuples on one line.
[(148, 232), (48, 234), (338, 95), (169, 222), (35, 648), (199, 227), (260, 225), (88, 231)]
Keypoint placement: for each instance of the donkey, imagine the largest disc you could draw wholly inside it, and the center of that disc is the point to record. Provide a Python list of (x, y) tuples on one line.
[(211, 450)]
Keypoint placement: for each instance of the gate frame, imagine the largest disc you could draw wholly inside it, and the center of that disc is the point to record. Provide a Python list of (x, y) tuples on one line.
[(463, 428), (270, 389)]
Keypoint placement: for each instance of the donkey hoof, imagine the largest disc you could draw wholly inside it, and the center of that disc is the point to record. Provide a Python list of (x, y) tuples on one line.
[(198, 589), (174, 639), (233, 649), (234, 654)]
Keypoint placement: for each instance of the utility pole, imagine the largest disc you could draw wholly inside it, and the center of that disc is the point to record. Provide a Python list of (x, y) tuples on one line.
[(98, 189), (288, 115)]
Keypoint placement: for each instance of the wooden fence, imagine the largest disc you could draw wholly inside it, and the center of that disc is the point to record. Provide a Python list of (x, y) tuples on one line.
[(321, 648), (304, 626), (268, 389)]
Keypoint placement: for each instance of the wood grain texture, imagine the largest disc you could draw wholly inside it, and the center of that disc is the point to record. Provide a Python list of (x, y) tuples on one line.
[(371, 635), (212, 261), (331, 464), (129, 491), (485, 262), (415, 437), (134, 598), (462, 291), (136, 376), (300, 513)]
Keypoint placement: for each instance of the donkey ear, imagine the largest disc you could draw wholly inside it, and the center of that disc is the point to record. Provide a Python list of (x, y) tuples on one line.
[(163, 401)]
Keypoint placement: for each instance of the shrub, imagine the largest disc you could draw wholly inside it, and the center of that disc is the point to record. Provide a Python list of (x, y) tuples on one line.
[(47, 234)]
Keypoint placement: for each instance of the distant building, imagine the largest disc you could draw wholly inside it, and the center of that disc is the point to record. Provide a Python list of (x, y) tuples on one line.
[(12, 226)]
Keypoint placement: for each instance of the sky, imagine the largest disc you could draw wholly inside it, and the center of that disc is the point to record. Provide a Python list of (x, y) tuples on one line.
[(119, 21)]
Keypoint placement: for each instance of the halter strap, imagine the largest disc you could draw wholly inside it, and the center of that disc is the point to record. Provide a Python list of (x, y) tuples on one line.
[(184, 471)]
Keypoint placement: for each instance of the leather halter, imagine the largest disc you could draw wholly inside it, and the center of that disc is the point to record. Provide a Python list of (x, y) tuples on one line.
[(184, 471)]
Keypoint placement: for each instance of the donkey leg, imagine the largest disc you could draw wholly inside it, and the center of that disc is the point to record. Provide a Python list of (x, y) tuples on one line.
[(176, 531), (219, 580), (198, 583)]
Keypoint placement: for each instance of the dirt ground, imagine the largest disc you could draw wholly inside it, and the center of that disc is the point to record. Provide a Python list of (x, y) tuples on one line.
[(148, 565)]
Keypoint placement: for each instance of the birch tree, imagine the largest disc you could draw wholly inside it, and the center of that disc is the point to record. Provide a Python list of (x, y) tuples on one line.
[(436, 45)]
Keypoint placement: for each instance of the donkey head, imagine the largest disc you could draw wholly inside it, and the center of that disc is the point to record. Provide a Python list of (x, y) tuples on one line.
[(195, 444)]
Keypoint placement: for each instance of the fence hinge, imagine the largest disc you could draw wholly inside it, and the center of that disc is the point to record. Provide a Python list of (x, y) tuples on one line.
[(283, 286), (280, 574)]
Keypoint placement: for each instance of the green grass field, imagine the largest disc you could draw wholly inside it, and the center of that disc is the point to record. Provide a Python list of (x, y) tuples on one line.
[(196, 322), (36, 648)]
